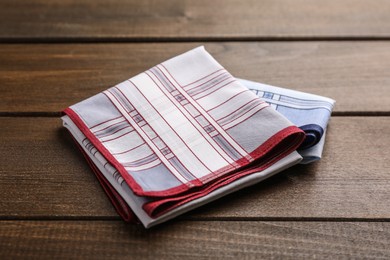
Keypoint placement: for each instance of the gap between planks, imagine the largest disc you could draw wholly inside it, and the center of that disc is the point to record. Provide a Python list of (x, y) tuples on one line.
[(200, 240), (334, 114), (96, 40), (195, 219)]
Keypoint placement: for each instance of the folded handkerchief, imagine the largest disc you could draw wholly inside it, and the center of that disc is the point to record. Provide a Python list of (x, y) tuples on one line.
[(309, 112), (178, 135)]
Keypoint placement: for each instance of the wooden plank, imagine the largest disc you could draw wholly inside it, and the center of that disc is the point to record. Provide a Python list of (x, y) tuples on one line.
[(43, 172), (48, 78), (177, 19), (44, 175), (194, 240)]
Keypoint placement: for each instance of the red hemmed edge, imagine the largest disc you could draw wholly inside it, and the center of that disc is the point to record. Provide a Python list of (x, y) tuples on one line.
[(151, 207), (116, 199), (137, 189), (98, 145)]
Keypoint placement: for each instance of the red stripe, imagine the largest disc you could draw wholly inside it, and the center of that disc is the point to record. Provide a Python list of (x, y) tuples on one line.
[(108, 134), (159, 207), (105, 141), (143, 169), (105, 122), (189, 118), (218, 88), (93, 139), (226, 129), (246, 90), (193, 89), (158, 112), (201, 106), (129, 149), (239, 109), (200, 78), (126, 164), (188, 181), (199, 111), (137, 189), (116, 199), (108, 126)]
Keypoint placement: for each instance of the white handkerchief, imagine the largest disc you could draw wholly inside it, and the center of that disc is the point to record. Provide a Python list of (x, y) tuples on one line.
[(178, 135)]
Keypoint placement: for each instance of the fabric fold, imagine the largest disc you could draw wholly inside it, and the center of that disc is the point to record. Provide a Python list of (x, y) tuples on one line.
[(309, 112), (176, 133)]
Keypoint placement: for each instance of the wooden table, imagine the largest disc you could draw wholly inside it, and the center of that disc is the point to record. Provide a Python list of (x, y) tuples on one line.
[(56, 53)]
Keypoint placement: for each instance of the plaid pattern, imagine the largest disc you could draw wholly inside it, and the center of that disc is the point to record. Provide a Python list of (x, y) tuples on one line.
[(182, 124), (309, 112)]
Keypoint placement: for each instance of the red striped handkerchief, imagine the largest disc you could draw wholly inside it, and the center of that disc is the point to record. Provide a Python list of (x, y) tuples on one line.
[(179, 135)]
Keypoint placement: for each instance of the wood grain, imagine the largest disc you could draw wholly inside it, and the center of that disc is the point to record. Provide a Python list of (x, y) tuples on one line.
[(44, 175), (48, 78), (52, 207), (94, 20), (43, 172), (194, 240)]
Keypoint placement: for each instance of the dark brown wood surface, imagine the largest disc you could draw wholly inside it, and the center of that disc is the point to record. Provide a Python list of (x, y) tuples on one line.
[(51, 77), (195, 240), (197, 19), (56, 53)]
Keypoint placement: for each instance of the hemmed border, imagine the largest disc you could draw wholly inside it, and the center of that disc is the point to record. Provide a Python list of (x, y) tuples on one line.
[(153, 209), (137, 189)]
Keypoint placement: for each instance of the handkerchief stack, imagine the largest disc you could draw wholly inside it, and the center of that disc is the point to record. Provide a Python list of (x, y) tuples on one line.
[(181, 134)]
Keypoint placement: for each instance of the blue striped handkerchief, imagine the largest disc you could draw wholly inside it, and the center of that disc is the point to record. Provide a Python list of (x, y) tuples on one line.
[(309, 112)]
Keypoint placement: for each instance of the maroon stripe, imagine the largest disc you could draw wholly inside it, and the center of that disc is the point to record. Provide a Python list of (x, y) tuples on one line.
[(158, 112), (144, 169), (151, 159), (129, 149), (239, 114), (116, 199), (119, 97), (137, 189), (245, 119), (141, 127), (108, 134), (191, 121), (105, 122), (209, 93), (159, 207), (193, 89), (103, 150), (246, 104), (105, 141), (228, 100), (197, 91), (200, 78), (108, 127), (127, 100), (201, 106)]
